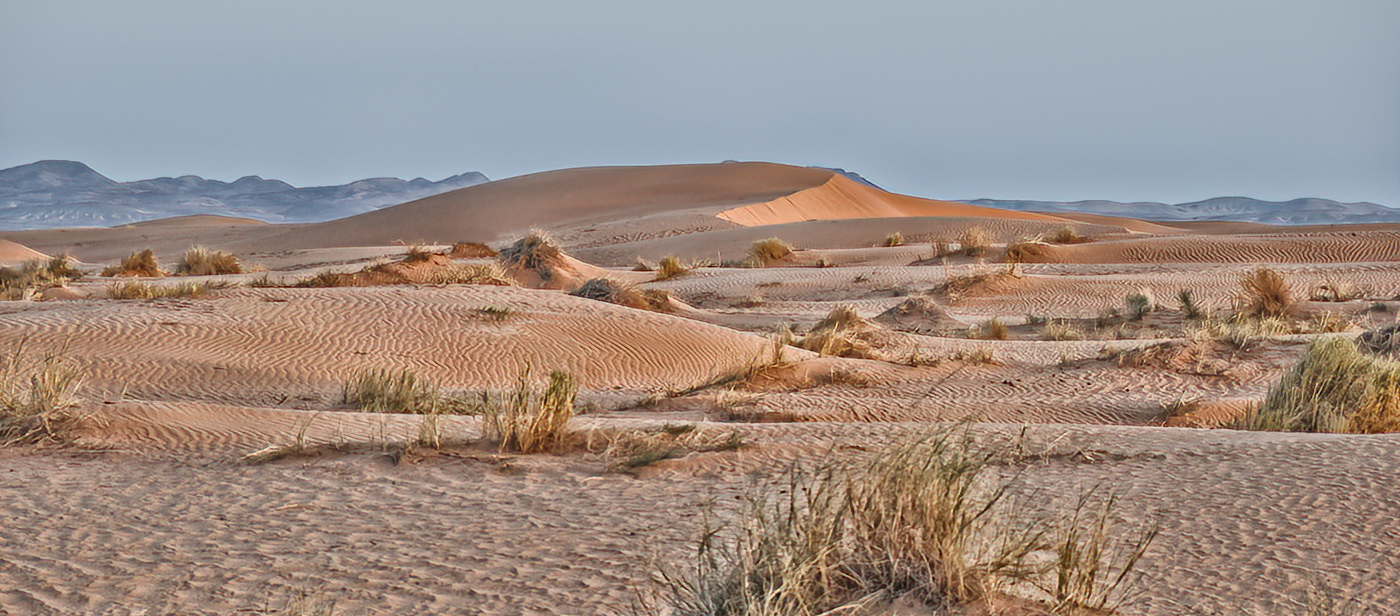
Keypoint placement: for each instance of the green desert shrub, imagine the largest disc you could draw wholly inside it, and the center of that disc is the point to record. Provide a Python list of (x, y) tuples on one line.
[(1336, 387)]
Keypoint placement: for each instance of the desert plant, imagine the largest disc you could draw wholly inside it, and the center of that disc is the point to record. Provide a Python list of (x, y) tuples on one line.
[(1066, 235), (922, 521), (140, 263), (1060, 330), (981, 354), (497, 314), (768, 251), (670, 267), (37, 397), (1025, 251), (1140, 304), (1335, 387), (387, 391), (1335, 291), (418, 254), (894, 239), (202, 261), (974, 242), (533, 422), (132, 289), (537, 250), (991, 329), (61, 267), (623, 293), (1189, 308), (1265, 293)]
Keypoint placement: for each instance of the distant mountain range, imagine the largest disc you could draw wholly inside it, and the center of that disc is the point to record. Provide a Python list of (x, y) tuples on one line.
[(56, 193), (1237, 209)]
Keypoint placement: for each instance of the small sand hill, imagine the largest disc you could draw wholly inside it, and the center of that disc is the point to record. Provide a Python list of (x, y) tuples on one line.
[(11, 252), (840, 198), (194, 221)]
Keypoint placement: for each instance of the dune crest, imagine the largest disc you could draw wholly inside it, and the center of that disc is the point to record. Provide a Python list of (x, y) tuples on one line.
[(842, 199)]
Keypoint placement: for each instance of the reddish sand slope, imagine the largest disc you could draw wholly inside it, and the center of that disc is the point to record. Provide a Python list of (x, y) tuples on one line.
[(11, 252), (841, 198)]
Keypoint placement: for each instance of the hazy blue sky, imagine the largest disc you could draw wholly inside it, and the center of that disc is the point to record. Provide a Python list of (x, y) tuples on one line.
[(1170, 100)]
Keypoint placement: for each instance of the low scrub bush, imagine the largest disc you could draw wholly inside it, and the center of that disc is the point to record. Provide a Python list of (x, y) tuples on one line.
[(769, 251), (624, 293), (1265, 293), (141, 263), (1066, 235), (1336, 387), (991, 329), (894, 239), (202, 261), (975, 242), (1060, 330), (670, 267)]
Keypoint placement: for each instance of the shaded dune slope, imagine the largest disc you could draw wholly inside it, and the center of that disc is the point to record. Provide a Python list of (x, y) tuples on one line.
[(840, 198)]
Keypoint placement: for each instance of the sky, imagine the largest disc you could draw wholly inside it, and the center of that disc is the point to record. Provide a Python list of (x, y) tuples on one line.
[(1130, 100)]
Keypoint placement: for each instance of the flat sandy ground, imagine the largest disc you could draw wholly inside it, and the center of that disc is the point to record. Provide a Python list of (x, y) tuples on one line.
[(150, 511)]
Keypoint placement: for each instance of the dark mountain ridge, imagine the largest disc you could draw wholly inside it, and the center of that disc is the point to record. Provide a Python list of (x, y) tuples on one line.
[(57, 193)]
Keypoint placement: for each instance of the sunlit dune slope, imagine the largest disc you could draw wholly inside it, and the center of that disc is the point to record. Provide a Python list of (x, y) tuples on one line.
[(840, 198)]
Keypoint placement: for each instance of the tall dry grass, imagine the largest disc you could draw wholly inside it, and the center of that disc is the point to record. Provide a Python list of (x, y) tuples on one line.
[(768, 251), (132, 289), (1265, 293), (38, 397), (975, 242), (142, 263), (202, 261), (928, 521), (1335, 387), (624, 293), (530, 421), (670, 267)]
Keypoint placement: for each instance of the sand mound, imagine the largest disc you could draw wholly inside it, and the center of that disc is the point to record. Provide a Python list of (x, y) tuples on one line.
[(194, 221), (537, 261), (841, 198), (417, 268), (918, 315), (11, 252)]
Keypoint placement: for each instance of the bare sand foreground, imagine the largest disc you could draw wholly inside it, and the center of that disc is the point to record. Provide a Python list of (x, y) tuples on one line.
[(148, 508)]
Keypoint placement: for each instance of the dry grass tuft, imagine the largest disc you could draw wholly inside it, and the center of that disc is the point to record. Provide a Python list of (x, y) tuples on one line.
[(1189, 308), (37, 397), (670, 267), (624, 293), (132, 289), (533, 422), (1140, 304), (1067, 235), (769, 251), (1265, 293), (991, 329), (1335, 291), (1060, 330), (955, 285), (841, 333), (471, 250), (201, 261), (142, 264), (975, 242), (385, 391), (36, 274), (976, 355), (924, 521), (1336, 387), (537, 251), (894, 239), (418, 254)]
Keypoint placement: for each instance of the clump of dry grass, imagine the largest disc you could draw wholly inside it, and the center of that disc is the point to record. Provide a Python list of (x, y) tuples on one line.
[(1189, 308), (922, 522), (1335, 388), (976, 355), (991, 329), (533, 422), (670, 267), (471, 250), (202, 261), (142, 263), (954, 285), (1265, 293), (1060, 330), (1335, 291), (1067, 235), (418, 254), (894, 239), (471, 273), (36, 274), (768, 251), (975, 242), (38, 397), (386, 391), (537, 251), (624, 293), (132, 289), (841, 333), (1140, 304)]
